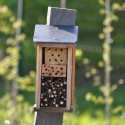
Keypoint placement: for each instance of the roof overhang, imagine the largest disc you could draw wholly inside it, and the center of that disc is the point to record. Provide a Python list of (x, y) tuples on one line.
[(55, 34)]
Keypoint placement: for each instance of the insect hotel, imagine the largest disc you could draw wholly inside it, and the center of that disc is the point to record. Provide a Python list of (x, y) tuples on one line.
[(55, 63)]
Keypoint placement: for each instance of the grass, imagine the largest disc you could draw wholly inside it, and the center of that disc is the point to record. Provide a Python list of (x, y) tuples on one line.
[(85, 113), (87, 119), (88, 113)]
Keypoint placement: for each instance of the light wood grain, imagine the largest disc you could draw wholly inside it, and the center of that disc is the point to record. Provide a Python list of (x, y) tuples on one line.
[(69, 72), (53, 70), (73, 77), (55, 45), (38, 75), (55, 56)]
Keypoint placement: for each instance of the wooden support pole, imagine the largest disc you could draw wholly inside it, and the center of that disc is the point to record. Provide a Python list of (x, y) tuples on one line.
[(63, 3), (56, 16), (61, 16), (48, 118)]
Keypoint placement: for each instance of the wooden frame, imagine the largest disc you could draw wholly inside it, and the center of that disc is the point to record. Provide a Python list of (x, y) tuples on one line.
[(73, 78), (69, 72), (58, 45), (70, 77), (38, 75)]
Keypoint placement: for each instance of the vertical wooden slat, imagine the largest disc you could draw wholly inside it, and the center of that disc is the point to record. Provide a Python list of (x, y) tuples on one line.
[(69, 72), (73, 76), (38, 75)]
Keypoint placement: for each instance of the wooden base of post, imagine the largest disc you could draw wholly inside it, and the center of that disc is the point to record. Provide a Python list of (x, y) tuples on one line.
[(48, 118)]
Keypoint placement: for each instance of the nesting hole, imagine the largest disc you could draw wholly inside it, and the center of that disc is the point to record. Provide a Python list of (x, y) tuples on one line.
[(61, 68), (60, 80)]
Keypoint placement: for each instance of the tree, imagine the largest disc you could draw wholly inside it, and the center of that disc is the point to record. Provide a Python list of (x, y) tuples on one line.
[(11, 107), (109, 10)]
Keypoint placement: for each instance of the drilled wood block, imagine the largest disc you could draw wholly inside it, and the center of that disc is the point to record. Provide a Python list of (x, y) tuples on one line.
[(53, 92), (56, 56), (53, 71)]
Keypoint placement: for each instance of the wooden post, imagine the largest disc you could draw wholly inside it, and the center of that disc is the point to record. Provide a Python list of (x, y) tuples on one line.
[(63, 3), (61, 16), (56, 16), (48, 118)]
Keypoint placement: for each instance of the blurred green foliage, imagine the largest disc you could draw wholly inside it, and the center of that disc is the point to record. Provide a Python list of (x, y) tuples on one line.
[(89, 54)]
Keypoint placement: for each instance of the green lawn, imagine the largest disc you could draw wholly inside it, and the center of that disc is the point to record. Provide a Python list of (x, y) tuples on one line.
[(88, 113), (85, 113)]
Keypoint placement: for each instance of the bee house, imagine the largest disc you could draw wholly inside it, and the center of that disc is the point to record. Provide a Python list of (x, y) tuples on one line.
[(55, 62)]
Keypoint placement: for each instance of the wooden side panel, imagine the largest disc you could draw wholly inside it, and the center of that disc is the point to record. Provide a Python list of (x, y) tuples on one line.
[(73, 76), (69, 72), (53, 70), (38, 75), (55, 56)]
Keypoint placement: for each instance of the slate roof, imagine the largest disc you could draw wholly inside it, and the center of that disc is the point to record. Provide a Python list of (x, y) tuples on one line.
[(55, 34)]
